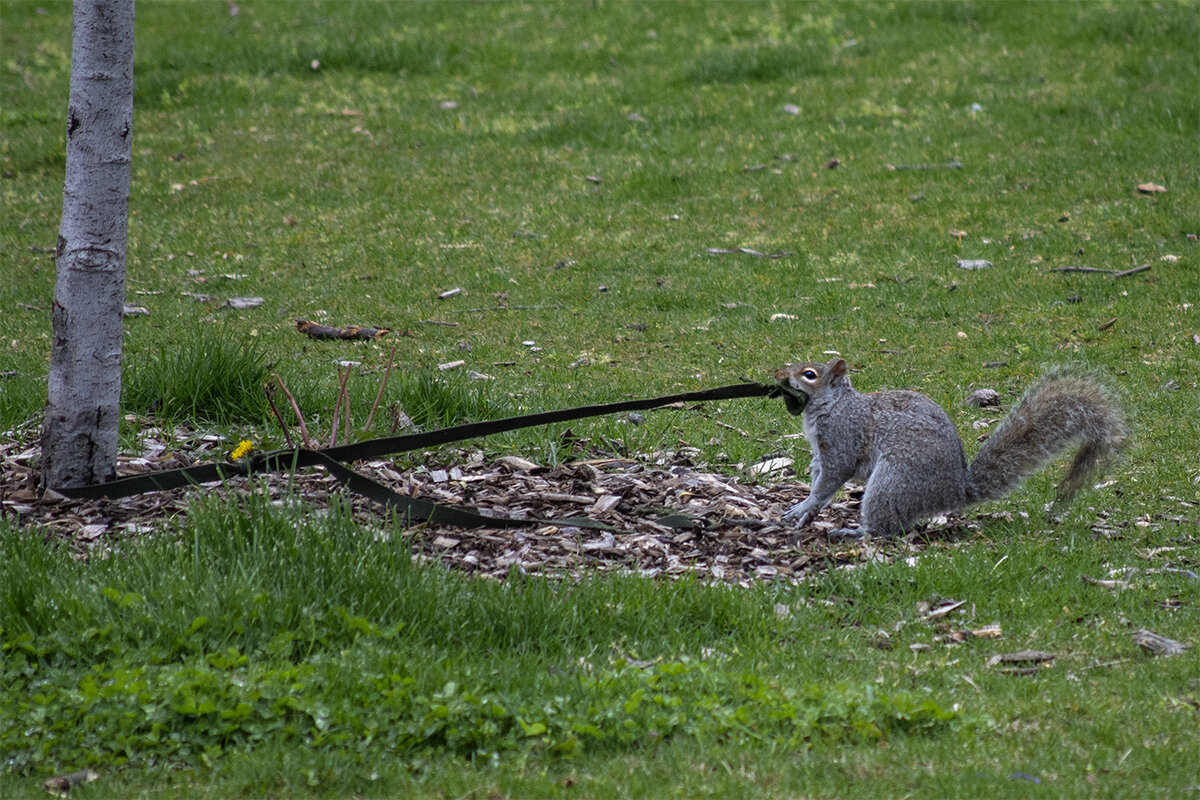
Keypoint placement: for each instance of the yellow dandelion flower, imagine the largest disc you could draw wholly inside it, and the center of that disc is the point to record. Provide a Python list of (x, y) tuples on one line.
[(244, 446)]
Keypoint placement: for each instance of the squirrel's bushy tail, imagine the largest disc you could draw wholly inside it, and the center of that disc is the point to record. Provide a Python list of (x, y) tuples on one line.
[(1065, 408)]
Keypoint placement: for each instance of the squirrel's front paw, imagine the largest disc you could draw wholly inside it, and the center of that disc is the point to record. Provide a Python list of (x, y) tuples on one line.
[(800, 514)]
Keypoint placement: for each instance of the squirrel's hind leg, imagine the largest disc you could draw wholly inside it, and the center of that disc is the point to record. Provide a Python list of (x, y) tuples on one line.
[(886, 510), (898, 496)]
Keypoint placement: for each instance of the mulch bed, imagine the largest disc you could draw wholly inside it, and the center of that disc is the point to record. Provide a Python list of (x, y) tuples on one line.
[(671, 517)]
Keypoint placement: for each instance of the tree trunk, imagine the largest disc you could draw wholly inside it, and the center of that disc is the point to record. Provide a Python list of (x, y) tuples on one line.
[(79, 437)]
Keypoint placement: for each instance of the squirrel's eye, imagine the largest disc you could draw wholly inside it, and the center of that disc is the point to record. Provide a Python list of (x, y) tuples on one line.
[(810, 375)]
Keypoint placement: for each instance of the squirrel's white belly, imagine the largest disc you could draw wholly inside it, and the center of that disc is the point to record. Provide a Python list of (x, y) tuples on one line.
[(810, 433)]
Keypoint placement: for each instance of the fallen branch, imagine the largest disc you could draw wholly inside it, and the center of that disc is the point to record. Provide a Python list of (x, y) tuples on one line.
[(315, 331), (1081, 269), (721, 251), (502, 307), (901, 167), (1112, 273)]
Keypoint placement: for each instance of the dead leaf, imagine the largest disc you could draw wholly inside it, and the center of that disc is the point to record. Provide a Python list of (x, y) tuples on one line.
[(1150, 188), (983, 398), (944, 608), (242, 303), (1021, 657), (1158, 645)]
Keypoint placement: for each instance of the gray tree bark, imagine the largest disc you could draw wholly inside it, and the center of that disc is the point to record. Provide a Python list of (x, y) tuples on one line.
[(79, 436)]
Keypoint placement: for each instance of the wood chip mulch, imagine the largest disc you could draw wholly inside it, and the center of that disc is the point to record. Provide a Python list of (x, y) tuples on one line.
[(671, 517)]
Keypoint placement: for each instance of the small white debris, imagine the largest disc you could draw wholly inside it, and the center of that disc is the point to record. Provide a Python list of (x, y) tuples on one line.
[(771, 465), (604, 503), (518, 464), (241, 303)]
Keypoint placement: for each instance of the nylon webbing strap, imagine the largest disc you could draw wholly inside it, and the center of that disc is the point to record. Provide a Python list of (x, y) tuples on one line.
[(411, 509)]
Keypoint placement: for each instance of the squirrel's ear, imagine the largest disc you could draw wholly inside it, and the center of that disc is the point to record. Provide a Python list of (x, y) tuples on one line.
[(837, 368)]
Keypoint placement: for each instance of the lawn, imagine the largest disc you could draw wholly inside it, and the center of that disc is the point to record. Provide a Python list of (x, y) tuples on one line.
[(572, 169)]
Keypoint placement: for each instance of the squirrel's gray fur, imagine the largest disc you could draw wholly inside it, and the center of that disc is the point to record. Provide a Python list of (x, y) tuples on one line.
[(908, 452)]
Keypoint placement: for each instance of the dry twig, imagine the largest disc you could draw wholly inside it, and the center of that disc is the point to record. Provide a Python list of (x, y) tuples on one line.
[(295, 410)]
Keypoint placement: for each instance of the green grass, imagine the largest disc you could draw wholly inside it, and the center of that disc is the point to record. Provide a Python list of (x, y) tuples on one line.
[(255, 636), (353, 193), (253, 627)]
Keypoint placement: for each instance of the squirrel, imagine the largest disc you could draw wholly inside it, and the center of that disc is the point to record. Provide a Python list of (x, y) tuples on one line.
[(906, 449)]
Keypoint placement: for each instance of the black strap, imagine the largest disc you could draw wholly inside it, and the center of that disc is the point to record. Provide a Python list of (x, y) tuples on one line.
[(412, 510), (415, 441)]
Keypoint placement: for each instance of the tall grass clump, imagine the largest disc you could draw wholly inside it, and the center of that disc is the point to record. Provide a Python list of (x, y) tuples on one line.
[(434, 401), (214, 378)]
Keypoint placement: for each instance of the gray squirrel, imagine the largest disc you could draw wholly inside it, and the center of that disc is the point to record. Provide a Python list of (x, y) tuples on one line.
[(908, 452)]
